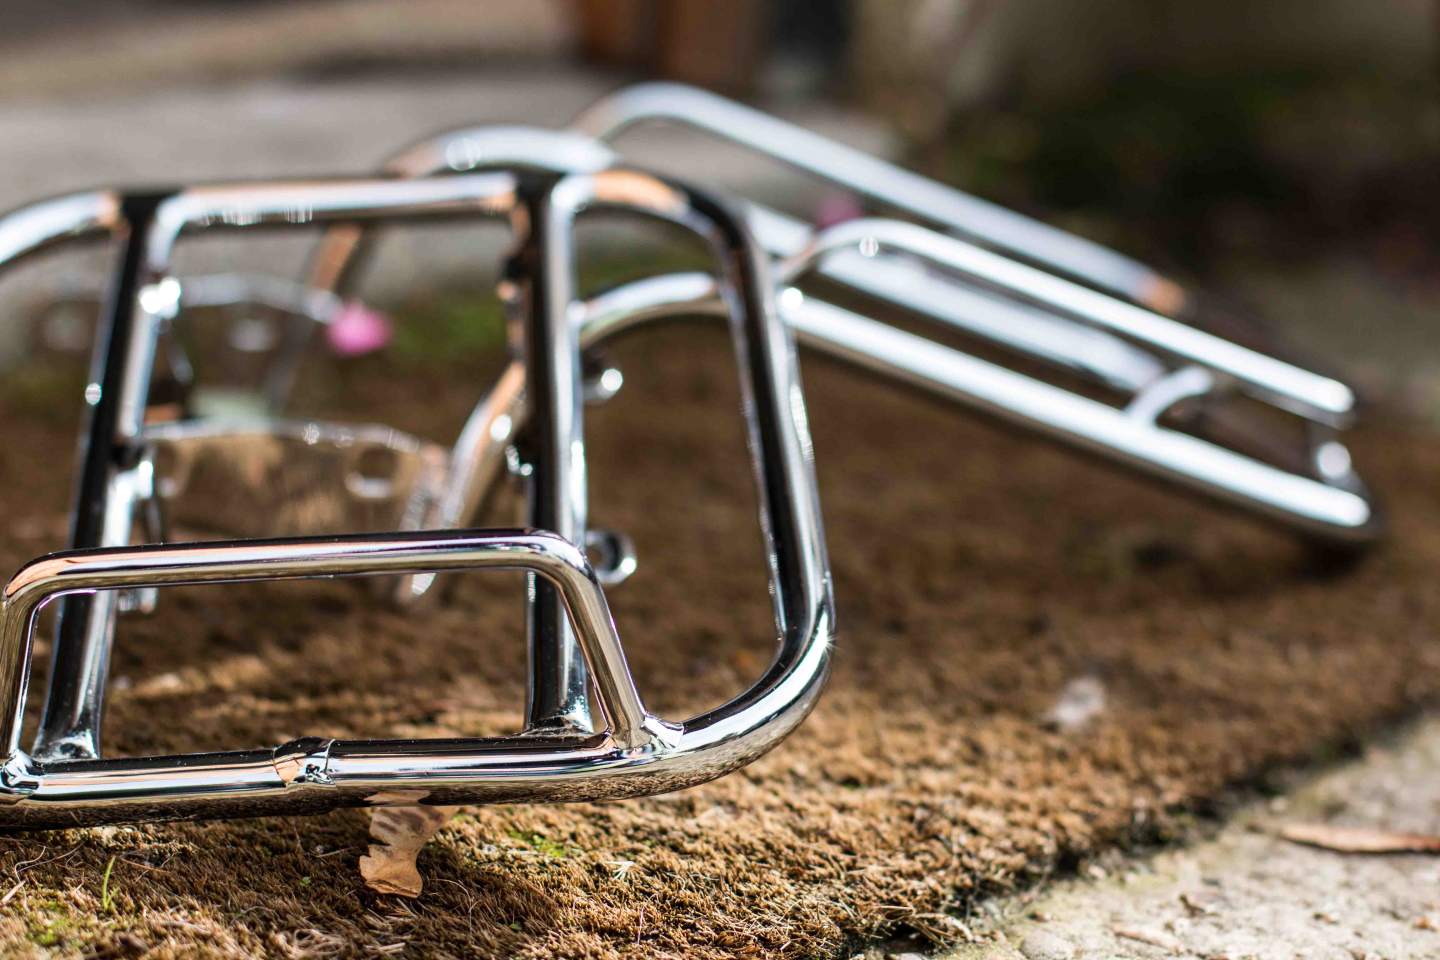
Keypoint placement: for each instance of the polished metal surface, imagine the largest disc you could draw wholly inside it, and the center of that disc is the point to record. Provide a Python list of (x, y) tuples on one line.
[(400, 524), (246, 477), (1334, 507), (935, 203), (65, 783), (638, 754), (107, 484), (1039, 315), (143, 297), (945, 207), (553, 448), (1312, 394)]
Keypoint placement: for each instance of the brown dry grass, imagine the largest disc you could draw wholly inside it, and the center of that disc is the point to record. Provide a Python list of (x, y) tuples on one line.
[(976, 571)]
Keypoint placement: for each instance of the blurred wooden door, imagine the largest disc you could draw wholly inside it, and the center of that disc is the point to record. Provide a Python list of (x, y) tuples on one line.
[(711, 44)]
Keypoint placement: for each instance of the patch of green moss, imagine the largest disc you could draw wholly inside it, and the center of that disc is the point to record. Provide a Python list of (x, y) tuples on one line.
[(50, 931), (543, 845), (463, 323), (449, 325), (46, 390)]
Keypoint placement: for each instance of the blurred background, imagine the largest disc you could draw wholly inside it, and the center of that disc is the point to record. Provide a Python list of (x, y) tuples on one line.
[(1283, 151)]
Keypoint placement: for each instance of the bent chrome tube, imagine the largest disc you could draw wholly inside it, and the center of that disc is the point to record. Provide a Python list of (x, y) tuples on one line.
[(1092, 352), (1176, 339), (1336, 508), (639, 755), (1333, 507), (554, 762), (943, 206), (1112, 359), (143, 296), (1034, 312), (1056, 340), (874, 178), (71, 217)]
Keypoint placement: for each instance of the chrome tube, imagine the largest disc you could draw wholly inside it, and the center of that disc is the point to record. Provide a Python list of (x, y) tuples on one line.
[(1277, 379), (1112, 359), (541, 283), (983, 221), (72, 217), (639, 753), (1057, 340), (106, 489), (1335, 508), (1031, 311), (143, 295), (935, 203), (67, 793), (1073, 346)]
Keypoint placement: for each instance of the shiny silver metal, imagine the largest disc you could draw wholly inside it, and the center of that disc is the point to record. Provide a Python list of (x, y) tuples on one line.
[(1302, 479), (65, 322), (531, 423), (1332, 509), (560, 755), (964, 215), (935, 203), (245, 477), (113, 473), (638, 753)]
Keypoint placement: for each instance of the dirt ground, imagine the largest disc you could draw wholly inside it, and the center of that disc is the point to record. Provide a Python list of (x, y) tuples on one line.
[(978, 573)]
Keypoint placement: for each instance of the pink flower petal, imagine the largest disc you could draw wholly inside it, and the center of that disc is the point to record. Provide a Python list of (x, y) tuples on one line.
[(357, 330), (837, 208)]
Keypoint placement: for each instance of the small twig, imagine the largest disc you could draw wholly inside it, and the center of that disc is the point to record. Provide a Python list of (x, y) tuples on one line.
[(37, 862), (181, 925), (146, 866), (26, 863), (1153, 937), (13, 890)]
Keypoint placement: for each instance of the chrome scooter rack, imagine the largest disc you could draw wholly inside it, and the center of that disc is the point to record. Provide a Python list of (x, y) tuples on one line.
[(1177, 424), (561, 755), (1134, 344)]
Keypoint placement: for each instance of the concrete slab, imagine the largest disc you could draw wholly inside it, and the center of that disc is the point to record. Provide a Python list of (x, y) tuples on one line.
[(1246, 893)]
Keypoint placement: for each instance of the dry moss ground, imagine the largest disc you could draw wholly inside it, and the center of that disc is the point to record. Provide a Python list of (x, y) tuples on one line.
[(977, 572)]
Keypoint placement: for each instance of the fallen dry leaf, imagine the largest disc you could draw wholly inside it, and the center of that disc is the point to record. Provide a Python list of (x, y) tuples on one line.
[(1200, 904), (1359, 839), (1153, 937), (402, 832)]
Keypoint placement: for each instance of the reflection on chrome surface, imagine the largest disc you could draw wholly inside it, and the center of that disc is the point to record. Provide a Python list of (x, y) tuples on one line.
[(382, 504), (562, 754), (1176, 424)]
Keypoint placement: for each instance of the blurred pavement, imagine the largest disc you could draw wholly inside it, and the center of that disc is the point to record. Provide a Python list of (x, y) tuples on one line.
[(314, 118)]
